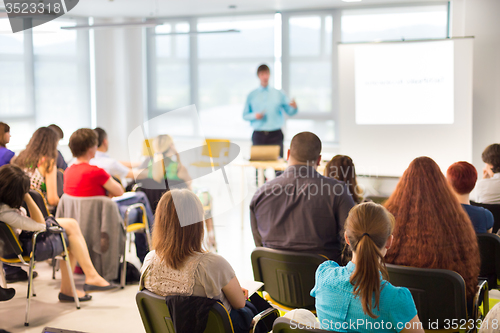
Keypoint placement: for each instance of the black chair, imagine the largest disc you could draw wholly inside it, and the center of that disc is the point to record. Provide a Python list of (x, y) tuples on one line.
[(439, 295), (156, 316), (40, 201), (495, 210), (489, 248), (377, 199), (288, 276), (13, 255), (285, 325)]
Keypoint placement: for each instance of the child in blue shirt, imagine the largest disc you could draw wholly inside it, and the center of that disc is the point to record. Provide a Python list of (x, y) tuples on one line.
[(358, 297)]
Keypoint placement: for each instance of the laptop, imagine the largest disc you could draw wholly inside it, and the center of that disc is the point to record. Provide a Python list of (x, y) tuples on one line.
[(265, 153)]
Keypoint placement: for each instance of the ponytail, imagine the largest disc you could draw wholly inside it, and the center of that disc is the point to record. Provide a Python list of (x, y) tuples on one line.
[(368, 228), (366, 277)]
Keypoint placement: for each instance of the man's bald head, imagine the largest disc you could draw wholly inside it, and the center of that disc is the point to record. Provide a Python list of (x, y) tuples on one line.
[(305, 148)]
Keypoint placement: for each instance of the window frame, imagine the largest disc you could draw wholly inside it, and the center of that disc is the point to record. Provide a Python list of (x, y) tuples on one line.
[(285, 59)]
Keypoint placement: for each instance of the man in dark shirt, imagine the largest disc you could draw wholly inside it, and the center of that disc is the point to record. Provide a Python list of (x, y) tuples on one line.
[(302, 210)]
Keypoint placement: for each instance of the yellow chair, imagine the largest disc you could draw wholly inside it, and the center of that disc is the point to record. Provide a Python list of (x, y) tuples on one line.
[(15, 252), (216, 150)]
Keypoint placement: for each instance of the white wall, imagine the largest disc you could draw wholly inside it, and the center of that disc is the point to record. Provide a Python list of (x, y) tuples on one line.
[(119, 84), (479, 18)]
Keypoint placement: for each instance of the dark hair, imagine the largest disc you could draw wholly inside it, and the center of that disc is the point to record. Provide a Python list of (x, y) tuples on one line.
[(305, 147), (432, 229), (173, 242), (491, 155), (81, 141), (57, 129), (342, 168), (14, 184), (42, 145), (4, 128), (101, 135), (263, 68), (368, 227), (462, 177)]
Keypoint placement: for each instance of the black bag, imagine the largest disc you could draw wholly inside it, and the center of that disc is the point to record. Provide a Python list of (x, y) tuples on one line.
[(48, 245), (132, 276)]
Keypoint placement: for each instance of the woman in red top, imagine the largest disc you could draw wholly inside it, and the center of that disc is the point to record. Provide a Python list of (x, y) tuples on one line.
[(82, 179)]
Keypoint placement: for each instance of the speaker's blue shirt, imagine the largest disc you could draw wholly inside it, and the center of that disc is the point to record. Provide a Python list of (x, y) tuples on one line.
[(338, 309), (270, 101)]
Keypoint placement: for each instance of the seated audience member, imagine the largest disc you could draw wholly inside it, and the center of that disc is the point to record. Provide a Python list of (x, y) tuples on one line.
[(104, 161), (360, 292), (14, 187), (163, 166), (5, 154), (462, 177), (432, 229), (178, 265), (301, 210), (61, 163), (39, 160), (84, 180), (488, 189), (342, 168)]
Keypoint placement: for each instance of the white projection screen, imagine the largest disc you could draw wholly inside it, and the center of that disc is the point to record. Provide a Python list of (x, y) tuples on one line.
[(401, 100)]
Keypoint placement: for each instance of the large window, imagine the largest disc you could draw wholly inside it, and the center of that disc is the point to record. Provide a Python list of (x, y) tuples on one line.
[(45, 78), (227, 70), (214, 65), (395, 24)]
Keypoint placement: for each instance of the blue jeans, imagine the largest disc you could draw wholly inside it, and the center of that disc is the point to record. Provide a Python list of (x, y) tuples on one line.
[(135, 216), (242, 318)]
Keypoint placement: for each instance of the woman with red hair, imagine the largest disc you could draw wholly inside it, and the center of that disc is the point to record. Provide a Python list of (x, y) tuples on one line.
[(462, 177), (432, 229)]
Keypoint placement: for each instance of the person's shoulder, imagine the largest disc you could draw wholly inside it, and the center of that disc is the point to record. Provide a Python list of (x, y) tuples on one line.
[(6, 208), (329, 267), (214, 259), (394, 294)]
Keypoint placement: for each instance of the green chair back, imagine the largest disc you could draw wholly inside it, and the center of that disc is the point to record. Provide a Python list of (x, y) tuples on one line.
[(439, 294), (489, 248), (156, 316), (288, 276)]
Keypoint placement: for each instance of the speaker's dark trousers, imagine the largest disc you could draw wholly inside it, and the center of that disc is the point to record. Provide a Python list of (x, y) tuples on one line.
[(269, 138)]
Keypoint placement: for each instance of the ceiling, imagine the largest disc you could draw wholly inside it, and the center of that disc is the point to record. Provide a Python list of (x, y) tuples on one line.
[(179, 8)]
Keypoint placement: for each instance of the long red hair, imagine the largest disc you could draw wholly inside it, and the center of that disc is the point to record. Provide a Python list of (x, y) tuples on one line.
[(432, 229)]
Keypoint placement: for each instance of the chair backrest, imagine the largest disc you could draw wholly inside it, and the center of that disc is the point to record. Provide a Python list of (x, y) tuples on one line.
[(60, 182), (285, 325), (216, 148), (156, 316), (495, 210), (11, 246), (439, 294), (288, 276), (102, 227), (489, 248)]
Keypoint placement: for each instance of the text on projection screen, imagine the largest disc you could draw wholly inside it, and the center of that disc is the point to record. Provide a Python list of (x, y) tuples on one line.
[(404, 83)]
